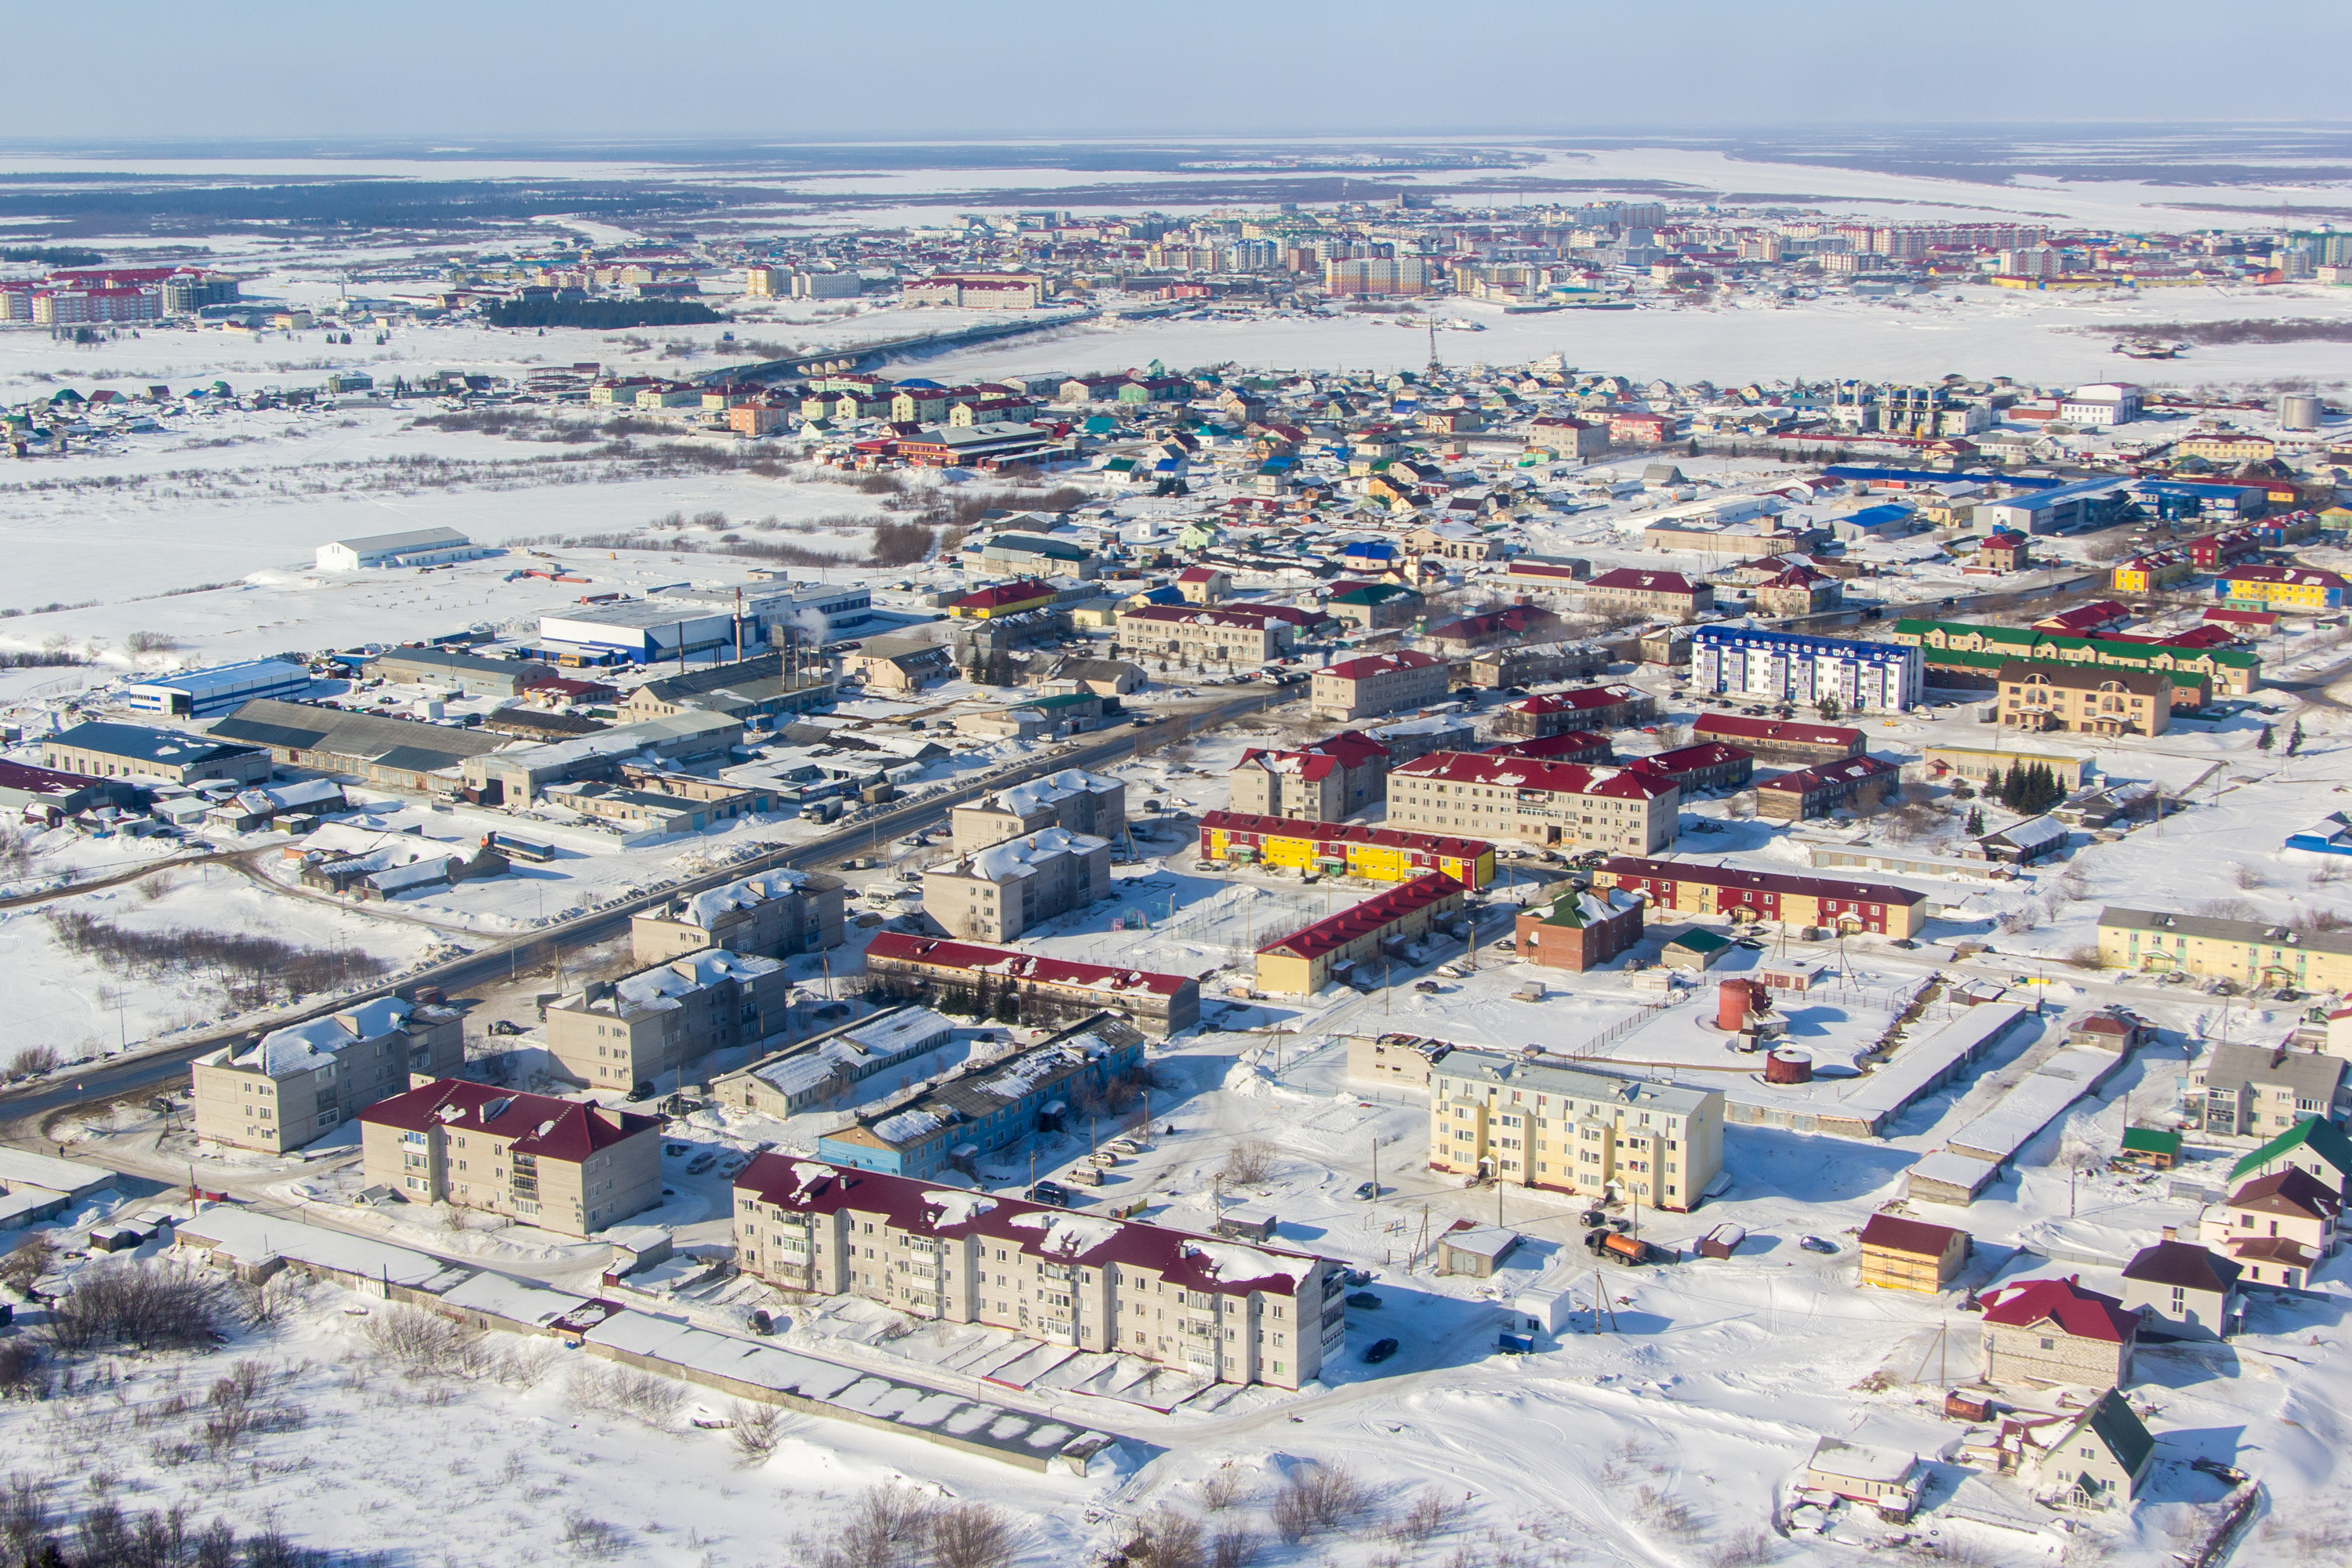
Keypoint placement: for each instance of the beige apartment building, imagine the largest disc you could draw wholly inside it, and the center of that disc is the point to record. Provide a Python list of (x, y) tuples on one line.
[(1221, 633), (294, 1086), (2037, 697), (1377, 683), (1074, 800), (617, 1033), (560, 1164), (1217, 1310), (772, 915), (1558, 805), (995, 894), (1536, 1124)]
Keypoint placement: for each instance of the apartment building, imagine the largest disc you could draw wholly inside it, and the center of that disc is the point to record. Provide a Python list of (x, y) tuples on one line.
[(1563, 804), (294, 1086), (1770, 898), (2258, 1091), (151, 756), (2288, 589), (1817, 791), (1708, 764), (1333, 779), (977, 290), (1632, 590), (1756, 665), (1332, 949), (984, 1107), (995, 894), (975, 977), (1343, 848), (1211, 1309), (824, 1066), (1536, 1123), (2036, 698), (560, 1164), (1593, 707), (1073, 800), (1578, 929), (1225, 634), (1782, 740), (2252, 953), (772, 915), (617, 1033), (1376, 683)]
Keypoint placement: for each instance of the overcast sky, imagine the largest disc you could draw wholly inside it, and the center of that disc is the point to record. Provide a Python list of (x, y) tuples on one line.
[(135, 70)]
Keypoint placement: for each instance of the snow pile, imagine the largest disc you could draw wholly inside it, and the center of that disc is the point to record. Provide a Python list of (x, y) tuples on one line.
[(957, 1208), (1234, 1264), (1070, 1234)]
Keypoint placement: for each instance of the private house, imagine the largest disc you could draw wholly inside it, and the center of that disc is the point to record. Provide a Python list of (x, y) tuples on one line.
[(1303, 963), (1327, 781), (2278, 1228), (1073, 800), (612, 1034), (294, 1086), (148, 757), (989, 1109), (1770, 898), (563, 1165), (1887, 1479), (1206, 1310), (2315, 1145), (772, 915), (2250, 952), (970, 978), (2035, 698), (2002, 553), (2053, 1330), (996, 893), (1376, 683), (1633, 591), (1860, 784), (1204, 585), (1539, 1123), (1549, 804), (2253, 1091), (2100, 1459), (1343, 850), (1900, 1254), (1782, 740), (2183, 1290), (1579, 930)]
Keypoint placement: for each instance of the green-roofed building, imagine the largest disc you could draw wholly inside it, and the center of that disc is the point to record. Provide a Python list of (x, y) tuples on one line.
[(2103, 1458), (1374, 605), (1697, 948), (2315, 1146), (2156, 1148), (1978, 652)]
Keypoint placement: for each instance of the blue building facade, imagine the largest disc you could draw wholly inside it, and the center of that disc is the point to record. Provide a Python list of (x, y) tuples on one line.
[(1749, 663)]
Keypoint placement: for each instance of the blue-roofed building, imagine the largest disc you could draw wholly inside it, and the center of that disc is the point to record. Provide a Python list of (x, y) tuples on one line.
[(1908, 479), (1746, 663), (201, 693), (2176, 499), (1889, 521)]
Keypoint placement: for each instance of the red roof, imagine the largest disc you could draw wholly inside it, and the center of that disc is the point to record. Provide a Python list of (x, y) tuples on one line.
[(1578, 700), (1338, 832), (1198, 575), (1734, 727), (41, 781), (539, 1124), (1312, 765), (1690, 759), (1910, 1235), (1829, 775), (1187, 1262), (1021, 593), (1520, 773), (1623, 866), (1018, 965), (2084, 1314), (1379, 663), (1335, 931), (1648, 582), (1572, 743)]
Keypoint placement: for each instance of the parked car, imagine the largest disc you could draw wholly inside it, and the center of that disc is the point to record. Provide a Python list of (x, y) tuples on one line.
[(505, 1026), (1816, 1244), (1051, 1193), (1427, 987), (1380, 1351), (644, 1090), (1367, 1190), (1364, 1300), (701, 1162)]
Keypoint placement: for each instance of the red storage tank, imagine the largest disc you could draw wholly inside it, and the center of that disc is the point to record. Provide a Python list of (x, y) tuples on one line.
[(1788, 1066), (1732, 1001)]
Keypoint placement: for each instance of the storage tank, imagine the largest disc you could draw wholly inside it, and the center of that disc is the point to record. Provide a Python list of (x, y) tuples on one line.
[(1732, 1004), (2298, 411), (1788, 1064)]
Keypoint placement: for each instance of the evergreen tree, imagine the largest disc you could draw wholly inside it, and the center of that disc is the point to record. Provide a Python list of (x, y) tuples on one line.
[(2294, 737), (1976, 821), (2264, 743), (2011, 782)]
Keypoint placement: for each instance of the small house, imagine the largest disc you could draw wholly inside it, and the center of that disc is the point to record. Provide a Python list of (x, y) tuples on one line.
[(2182, 1289), (2316, 1146), (2279, 1227), (2151, 1147), (1909, 1254), (2099, 1461), (1887, 1478), (1475, 1250), (1695, 949), (2111, 1029)]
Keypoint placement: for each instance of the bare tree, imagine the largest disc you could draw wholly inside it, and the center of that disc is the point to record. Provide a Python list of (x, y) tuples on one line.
[(971, 1535), (1317, 1497), (1169, 1539), (1250, 1162), (1232, 1547), (758, 1429), (889, 1529)]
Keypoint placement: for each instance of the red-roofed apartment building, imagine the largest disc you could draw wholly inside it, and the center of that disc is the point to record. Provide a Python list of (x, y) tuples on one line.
[(918, 968), (1219, 1310), (563, 1165), (1303, 963), (2053, 1330), (1555, 804), (1377, 683), (1635, 591), (1329, 781), (1590, 708)]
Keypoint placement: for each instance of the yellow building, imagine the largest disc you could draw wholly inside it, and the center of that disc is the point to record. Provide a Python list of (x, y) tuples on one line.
[(2247, 951), (1303, 963), (1983, 766), (1344, 848), (2147, 574), (2231, 448), (1907, 1254), (2282, 587), (1536, 1124), (760, 282), (1001, 599)]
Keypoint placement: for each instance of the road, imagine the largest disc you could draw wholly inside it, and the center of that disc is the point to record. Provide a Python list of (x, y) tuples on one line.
[(29, 1107)]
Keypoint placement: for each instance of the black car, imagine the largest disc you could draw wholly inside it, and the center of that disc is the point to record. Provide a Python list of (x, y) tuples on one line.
[(1380, 1351), (1050, 1192), (644, 1090), (1364, 1300)]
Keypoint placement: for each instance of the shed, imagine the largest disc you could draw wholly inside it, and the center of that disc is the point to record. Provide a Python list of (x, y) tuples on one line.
[(1945, 1177), (1475, 1250), (1911, 1255), (1697, 948), (1545, 1307), (2156, 1148), (1247, 1221), (1722, 1241)]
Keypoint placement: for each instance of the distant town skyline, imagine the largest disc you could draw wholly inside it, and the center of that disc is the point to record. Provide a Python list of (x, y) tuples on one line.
[(925, 69)]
